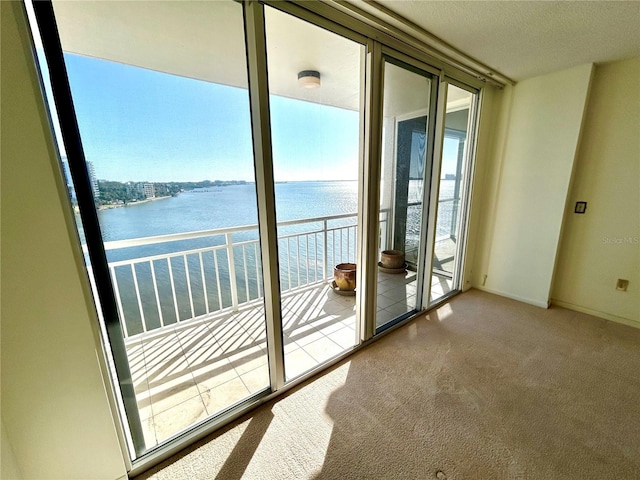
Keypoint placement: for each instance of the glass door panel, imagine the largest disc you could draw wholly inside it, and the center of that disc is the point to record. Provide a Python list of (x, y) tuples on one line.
[(164, 123), (454, 172), (404, 186), (314, 84)]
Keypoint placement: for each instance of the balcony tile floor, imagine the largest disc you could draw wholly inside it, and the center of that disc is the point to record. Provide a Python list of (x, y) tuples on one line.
[(187, 372)]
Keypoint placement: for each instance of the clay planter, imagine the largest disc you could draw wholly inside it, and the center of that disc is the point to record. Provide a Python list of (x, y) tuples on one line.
[(392, 259), (344, 275)]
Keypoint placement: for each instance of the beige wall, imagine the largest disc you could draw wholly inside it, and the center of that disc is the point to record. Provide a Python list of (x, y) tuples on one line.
[(490, 129), (55, 411), (603, 245), (8, 465), (527, 183)]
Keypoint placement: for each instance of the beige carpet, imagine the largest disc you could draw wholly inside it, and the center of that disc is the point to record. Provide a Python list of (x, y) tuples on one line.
[(483, 388)]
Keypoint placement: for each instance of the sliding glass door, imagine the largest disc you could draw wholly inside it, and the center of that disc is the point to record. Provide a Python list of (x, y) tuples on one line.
[(407, 139), (453, 192)]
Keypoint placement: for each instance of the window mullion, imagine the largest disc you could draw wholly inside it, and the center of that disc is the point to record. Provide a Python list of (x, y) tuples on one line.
[(263, 162), (368, 218), (432, 211)]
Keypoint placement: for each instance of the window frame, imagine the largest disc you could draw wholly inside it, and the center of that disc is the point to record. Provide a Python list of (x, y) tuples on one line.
[(380, 46)]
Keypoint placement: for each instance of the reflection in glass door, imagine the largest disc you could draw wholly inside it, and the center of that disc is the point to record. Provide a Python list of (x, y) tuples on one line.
[(314, 85), (454, 175), (405, 180), (411, 143)]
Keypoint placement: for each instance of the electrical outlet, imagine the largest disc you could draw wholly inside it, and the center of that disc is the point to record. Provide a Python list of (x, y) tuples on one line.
[(622, 285)]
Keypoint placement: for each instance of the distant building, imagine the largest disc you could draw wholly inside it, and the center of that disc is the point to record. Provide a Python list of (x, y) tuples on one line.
[(66, 170), (93, 179), (149, 190), (449, 176), (68, 181)]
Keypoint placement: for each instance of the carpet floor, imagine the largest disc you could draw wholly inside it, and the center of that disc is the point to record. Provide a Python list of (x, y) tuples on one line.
[(482, 388)]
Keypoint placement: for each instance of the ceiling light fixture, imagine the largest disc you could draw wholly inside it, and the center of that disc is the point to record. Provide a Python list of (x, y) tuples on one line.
[(309, 79)]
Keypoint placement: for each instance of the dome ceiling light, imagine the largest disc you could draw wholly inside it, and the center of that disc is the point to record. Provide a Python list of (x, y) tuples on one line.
[(309, 79)]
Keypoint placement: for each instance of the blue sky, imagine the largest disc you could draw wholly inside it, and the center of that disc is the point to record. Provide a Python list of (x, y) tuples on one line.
[(139, 124), (142, 125)]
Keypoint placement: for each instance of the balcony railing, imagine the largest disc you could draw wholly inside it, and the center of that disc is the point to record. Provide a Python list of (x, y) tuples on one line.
[(167, 279), (164, 280)]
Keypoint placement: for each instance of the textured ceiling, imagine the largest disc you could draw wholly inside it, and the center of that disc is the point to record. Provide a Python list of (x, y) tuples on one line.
[(519, 39), (522, 39)]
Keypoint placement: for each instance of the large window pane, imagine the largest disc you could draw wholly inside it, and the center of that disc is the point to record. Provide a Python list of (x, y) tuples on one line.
[(163, 112), (315, 156)]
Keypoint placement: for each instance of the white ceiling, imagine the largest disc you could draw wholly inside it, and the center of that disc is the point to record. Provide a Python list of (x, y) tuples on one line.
[(523, 39), (204, 40)]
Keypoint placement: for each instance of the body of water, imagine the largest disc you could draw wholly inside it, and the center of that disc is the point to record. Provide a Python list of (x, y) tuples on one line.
[(229, 206), (236, 205)]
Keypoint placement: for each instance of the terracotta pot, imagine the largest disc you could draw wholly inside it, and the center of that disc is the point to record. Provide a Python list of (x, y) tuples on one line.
[(345, 276), (392, 259)]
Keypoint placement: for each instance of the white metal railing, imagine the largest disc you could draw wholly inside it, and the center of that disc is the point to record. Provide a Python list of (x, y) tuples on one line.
[(190, 280), (446, 224), (447, 218)]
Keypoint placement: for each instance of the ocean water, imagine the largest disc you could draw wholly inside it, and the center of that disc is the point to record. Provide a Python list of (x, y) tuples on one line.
[(236, 205), (229, 206), (192, 284)]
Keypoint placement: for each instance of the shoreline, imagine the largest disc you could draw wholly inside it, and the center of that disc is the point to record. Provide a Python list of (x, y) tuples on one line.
[(146, 200)]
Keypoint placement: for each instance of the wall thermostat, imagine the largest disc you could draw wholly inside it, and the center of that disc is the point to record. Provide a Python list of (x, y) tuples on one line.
[(581, 207)]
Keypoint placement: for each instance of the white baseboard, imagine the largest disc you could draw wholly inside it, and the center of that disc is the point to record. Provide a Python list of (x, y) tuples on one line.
[(596, 313), (530, 301)]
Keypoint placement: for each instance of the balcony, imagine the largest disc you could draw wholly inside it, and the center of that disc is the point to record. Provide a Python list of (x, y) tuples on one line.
[(193, 317)]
